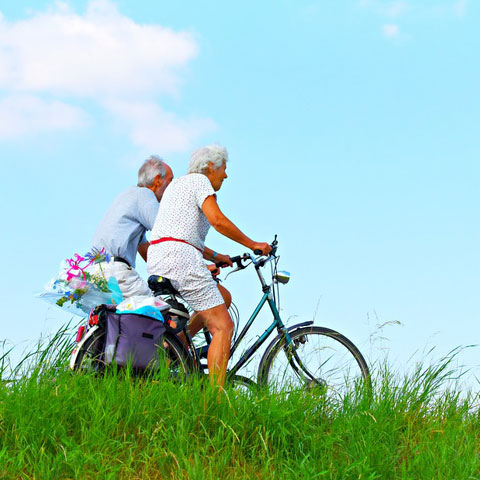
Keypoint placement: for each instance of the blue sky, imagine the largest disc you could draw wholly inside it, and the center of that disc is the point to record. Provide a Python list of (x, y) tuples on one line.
[(352, 129)]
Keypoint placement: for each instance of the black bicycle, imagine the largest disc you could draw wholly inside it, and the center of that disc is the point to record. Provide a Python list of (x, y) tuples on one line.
[(301, 356)]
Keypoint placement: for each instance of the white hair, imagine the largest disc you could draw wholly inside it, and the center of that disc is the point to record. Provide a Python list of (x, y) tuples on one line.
[(151, 167), (200, 158)]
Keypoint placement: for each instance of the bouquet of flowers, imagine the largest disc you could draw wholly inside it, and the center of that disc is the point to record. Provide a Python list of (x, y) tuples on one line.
[(79, 287)]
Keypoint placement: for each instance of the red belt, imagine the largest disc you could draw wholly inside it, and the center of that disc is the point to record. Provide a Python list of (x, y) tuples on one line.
[(171, 239)]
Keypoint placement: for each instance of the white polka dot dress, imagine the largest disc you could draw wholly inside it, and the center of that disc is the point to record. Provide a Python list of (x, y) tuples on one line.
[(180, 216)]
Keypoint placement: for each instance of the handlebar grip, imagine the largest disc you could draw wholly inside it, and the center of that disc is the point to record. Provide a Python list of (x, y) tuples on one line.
[(236, 259), (257, 251)]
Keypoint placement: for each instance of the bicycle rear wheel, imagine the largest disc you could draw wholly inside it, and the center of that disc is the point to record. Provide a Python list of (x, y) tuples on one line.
[(172, 357), (91, 356), (171, 354), (320, 358)]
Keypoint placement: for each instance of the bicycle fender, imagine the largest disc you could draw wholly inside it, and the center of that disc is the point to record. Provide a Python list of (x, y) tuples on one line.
[(73, 356), (275, 340)]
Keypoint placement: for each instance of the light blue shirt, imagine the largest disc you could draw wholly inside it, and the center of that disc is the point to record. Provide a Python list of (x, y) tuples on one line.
[(123, 227)]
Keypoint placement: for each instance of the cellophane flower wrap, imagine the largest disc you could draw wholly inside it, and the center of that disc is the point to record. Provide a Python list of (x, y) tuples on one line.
[(79, 287)]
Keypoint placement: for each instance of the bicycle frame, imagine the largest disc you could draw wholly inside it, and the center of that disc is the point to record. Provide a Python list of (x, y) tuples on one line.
[(277, 323)]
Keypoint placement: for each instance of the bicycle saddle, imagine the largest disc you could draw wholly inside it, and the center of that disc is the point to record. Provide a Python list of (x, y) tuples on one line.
[(161, 285)]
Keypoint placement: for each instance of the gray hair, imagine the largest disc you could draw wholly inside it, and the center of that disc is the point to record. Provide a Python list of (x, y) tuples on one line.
[(199, 159), (151, 167)]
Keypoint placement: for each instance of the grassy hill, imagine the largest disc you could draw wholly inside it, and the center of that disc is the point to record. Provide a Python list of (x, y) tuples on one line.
[(56, 425)]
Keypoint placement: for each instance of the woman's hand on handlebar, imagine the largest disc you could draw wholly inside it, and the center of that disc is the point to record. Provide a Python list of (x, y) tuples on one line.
[(261, 248), (223, 261)]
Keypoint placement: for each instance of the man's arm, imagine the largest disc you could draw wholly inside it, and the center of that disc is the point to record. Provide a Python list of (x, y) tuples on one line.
[(142, 250), (147, 208)]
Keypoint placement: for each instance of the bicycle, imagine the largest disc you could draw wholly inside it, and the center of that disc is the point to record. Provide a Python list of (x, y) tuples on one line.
[(300, 356)]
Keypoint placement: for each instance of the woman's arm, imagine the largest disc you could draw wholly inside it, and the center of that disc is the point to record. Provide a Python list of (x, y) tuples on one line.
[(211, 255), (219, 258), (226, 227)]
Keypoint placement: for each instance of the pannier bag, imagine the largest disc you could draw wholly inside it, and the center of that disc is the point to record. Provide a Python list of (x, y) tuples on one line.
[(131, 338)]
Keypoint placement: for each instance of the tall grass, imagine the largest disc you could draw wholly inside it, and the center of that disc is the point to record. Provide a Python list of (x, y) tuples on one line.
[(51, 354), (58, 425)]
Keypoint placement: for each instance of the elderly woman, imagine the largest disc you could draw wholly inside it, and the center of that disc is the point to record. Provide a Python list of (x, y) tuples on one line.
[(177, 251)]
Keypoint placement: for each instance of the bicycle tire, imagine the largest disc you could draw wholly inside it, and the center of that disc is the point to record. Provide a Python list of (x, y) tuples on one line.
[(240, 380), (91, 357), (176, 357), (335, 363)]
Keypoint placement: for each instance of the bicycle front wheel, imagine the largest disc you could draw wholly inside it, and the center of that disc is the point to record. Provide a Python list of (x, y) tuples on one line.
[(317, 357)]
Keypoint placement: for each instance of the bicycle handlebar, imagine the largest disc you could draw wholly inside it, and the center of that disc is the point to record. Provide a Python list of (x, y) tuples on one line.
[(238, 259)]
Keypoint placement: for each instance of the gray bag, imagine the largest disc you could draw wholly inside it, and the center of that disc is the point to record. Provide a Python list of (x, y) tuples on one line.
[(131, 338)]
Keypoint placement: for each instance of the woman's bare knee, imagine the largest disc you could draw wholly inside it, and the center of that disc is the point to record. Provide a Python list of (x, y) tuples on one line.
[(220, 326), (218, 320)]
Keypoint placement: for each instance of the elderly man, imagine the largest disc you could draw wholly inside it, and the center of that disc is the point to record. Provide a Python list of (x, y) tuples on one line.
[(122, 230)]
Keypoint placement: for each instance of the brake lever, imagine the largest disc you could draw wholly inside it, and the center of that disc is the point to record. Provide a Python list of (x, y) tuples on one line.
[(238, 261), (233, 271)]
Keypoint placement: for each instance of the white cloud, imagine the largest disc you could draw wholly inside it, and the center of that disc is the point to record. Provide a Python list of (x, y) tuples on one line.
[(91, 55), (389, 9), (390, 30), (155, 129), (400, 8), (100, 55), (460, 7), (25, 114), (392, 11), (396, 9)]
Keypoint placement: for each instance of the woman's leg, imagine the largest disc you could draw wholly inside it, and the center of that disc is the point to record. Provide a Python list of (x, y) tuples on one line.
[(220, 325)]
